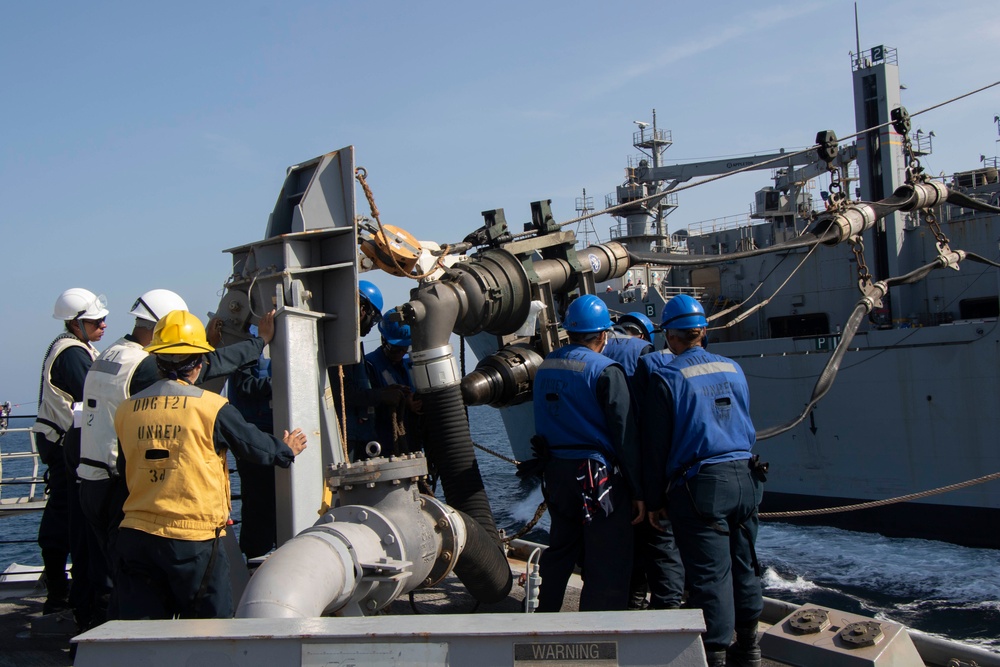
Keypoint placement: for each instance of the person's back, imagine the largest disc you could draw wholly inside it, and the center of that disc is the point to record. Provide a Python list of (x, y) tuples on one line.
[(174, 438), (626, 350), (698, 462), (584, 426), (120, 371)]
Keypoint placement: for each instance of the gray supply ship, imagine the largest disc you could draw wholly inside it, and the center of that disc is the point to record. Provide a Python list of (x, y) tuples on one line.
[(915, 404), (319, 598)]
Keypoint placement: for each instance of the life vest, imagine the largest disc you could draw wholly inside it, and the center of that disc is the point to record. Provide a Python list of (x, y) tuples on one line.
[(104, 390), (654, 361), (626, 350), (385, 372), (178, 484), (55, 406), (711, 412), (567, 413)]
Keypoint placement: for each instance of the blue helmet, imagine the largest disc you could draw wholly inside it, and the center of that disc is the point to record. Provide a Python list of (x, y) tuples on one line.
[(683, 312), (588, 314), (396, 334), (641, 320), (371, 294)]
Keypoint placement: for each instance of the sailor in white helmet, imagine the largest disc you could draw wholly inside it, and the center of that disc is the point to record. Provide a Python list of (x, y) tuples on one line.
[(119, 372), (57, 441)]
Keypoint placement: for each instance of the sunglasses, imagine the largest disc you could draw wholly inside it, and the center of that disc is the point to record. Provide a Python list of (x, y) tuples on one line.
[(96, 323)]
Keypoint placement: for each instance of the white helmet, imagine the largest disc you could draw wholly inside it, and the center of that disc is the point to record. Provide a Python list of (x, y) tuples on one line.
[(79, 303), (156, 303)]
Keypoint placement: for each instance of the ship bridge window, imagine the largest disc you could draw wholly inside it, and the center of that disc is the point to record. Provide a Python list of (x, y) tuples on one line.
[(978, 309), (808, 324)]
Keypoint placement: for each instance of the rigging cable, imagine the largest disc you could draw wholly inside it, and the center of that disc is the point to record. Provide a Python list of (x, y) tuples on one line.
[(880, 503), (757, 166)]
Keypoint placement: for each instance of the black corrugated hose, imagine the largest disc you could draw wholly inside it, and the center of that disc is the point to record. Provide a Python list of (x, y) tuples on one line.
[(483, 567)]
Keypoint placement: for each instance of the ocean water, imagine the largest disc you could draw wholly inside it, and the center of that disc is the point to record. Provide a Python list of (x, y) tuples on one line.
[(938, 588)]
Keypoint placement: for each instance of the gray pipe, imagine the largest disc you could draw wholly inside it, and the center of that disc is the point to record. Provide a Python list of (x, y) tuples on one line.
[(307, 575)]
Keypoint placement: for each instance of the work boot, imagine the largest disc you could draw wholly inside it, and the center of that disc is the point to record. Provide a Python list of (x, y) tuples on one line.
[(637, 601), (56, 583), (746, 651), (716, 658)]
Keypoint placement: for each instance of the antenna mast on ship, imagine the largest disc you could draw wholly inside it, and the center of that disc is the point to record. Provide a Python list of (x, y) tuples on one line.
[(585, 228), (639, 230)]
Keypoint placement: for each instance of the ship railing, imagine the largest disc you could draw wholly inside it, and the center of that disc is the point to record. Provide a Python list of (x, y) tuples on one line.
[(714, 225), (670, 291), (25, 461), (873, 56), (645, 137)]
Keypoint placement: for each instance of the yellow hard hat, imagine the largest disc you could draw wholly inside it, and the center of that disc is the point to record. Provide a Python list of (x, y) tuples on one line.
[(179, 332)]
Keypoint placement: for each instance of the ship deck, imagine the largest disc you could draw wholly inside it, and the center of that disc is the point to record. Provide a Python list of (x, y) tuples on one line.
[(20, 647)]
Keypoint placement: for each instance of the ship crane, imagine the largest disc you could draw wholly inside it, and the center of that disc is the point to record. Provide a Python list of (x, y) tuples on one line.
[(680, 173)]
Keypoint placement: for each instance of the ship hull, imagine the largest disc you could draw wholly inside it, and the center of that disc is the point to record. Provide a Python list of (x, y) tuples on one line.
[(910, 411)]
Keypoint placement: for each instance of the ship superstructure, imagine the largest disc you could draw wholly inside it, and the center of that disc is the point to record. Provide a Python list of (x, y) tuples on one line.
[(916, 399)]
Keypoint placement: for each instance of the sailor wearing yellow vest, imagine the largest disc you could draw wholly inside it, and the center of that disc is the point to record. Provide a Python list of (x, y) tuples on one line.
[(174, 437)]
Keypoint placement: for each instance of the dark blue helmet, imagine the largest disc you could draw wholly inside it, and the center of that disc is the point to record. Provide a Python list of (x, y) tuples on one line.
[(646, 327), (683, 312), (588, 314), (370, 293), (395, 333)]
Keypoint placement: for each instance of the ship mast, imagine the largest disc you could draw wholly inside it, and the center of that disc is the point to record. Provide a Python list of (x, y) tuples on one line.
[(585, 228), (881, 164)]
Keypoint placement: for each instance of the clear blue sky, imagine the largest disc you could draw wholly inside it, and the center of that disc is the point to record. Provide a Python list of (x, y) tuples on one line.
[(141, 139)]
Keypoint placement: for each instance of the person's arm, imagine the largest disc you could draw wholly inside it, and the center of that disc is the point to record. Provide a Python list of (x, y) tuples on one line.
[(656, 424), (244, 383), (227, 360), (613, 395), (69, 370), (248, 443)]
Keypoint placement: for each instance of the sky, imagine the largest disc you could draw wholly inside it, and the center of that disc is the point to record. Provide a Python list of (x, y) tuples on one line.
[(140, 140)]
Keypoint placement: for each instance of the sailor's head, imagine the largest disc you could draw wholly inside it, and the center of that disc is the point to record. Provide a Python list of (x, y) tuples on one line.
[(83, 312), (684, 323), (587, 322), (637, 324), (396, 337), (179, 343), (369, 306)]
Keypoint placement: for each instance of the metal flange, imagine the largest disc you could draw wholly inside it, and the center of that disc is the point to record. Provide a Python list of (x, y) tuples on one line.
[(809, 621)]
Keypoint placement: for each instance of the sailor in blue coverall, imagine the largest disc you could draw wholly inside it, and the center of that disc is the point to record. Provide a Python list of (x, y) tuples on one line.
[(397, 425), (699, 461), (657, 564), (591, 483)]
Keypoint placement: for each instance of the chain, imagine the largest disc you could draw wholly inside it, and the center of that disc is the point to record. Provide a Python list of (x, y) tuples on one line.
[(864, 276), (914, 172), (496, 454), (837, 199), (931, 220), (539, 513)]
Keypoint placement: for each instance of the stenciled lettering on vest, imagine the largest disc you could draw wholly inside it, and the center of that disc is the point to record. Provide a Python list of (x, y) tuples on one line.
[(158, 431), (155, 403), (718, 389)]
